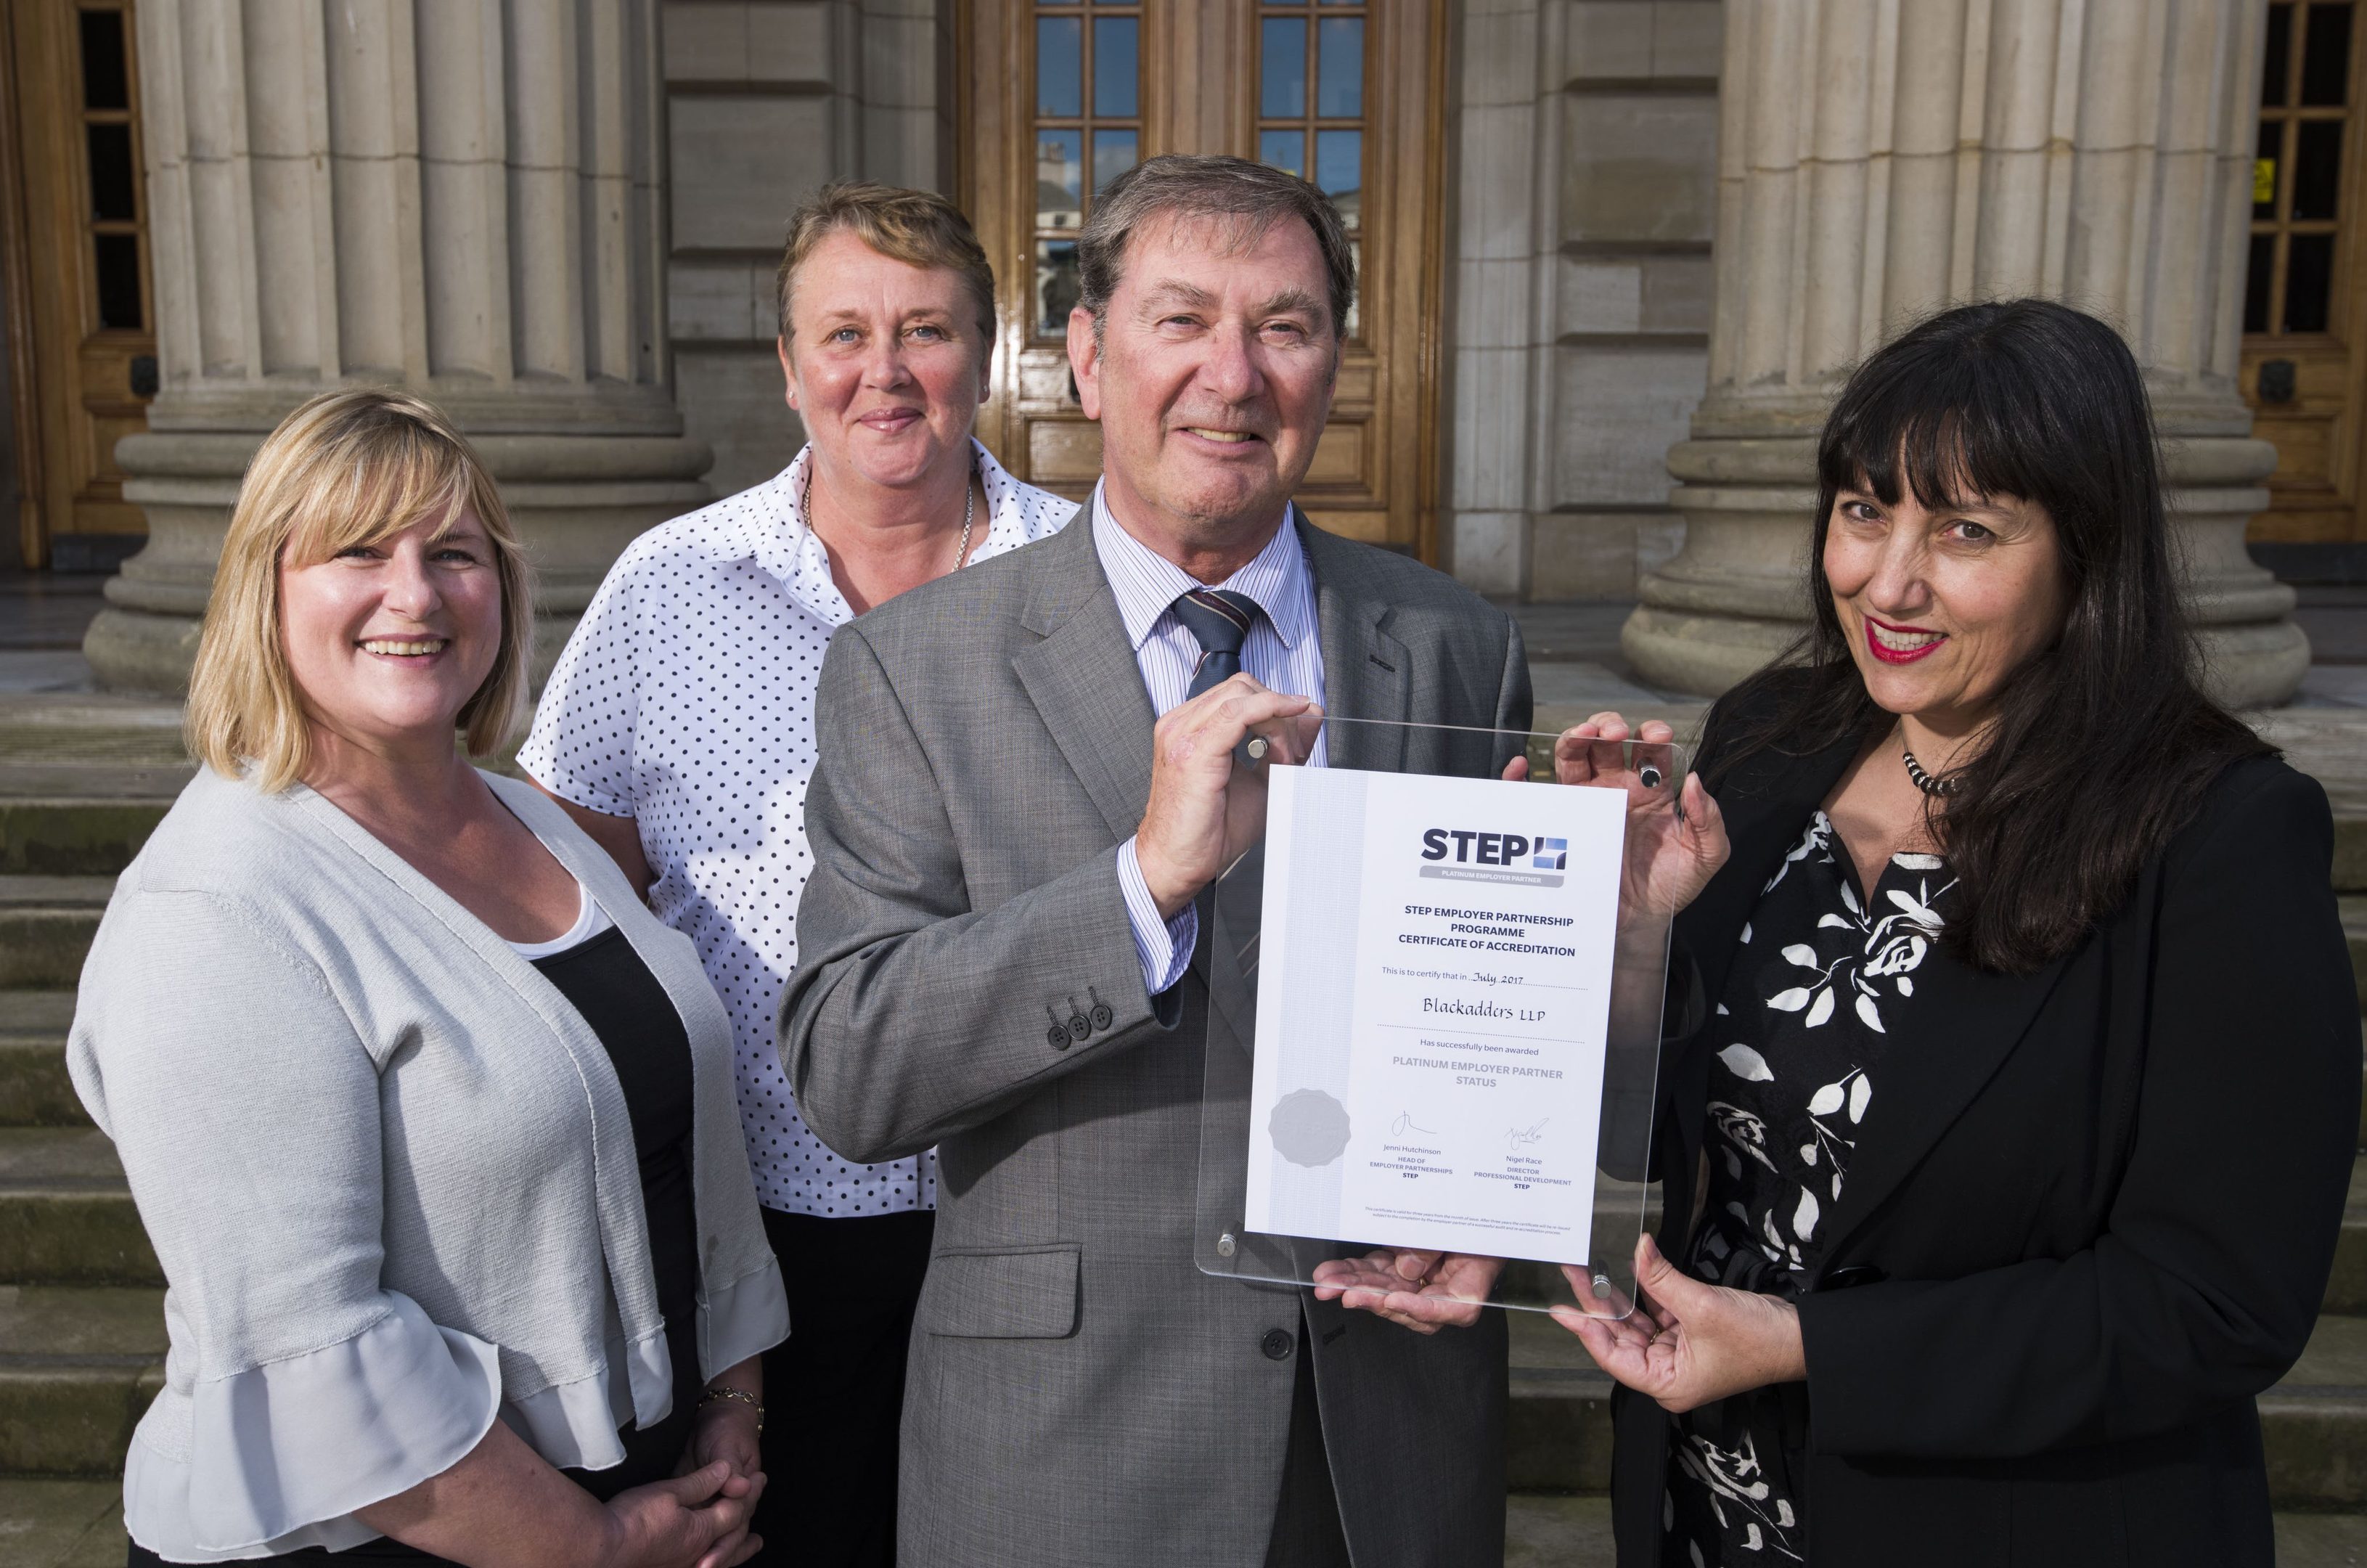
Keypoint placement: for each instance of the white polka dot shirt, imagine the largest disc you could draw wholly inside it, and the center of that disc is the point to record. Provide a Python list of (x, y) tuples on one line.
[(685, 700)]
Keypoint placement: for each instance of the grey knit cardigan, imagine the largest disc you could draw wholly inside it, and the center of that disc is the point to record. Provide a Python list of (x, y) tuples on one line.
[(388, 1171)]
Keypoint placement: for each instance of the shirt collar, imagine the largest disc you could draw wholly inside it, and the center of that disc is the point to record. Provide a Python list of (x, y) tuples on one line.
[(1146, 583), (792, 552)]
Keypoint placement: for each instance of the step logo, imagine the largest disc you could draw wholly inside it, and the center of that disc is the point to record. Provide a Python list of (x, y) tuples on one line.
[(1473, 847)]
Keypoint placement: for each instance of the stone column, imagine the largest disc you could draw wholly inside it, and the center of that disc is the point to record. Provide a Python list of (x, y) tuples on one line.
[(1877, 161), (455, 197)]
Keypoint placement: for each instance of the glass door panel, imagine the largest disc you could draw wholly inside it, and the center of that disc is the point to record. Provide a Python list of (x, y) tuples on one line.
[(2303, 369), (1064, 95)]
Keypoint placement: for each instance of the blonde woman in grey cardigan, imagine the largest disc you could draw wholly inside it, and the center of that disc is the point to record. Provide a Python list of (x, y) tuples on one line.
[(431, 1122)]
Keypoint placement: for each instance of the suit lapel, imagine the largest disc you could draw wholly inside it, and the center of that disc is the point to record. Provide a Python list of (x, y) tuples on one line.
[(1365, 670), (1084, 679), (1966, 1025)]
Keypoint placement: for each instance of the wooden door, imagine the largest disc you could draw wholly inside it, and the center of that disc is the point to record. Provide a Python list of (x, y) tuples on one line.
[(2305, 351), (82, 339), (1059, 95)]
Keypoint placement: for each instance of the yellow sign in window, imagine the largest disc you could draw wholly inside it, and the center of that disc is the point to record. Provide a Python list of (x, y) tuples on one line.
[(2264, 182)]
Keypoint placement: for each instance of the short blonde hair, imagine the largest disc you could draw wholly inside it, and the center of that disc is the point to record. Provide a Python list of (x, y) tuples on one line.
[(919, 228), (346, 468)]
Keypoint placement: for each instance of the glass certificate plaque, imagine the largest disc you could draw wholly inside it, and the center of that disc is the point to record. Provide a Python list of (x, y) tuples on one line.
[(1434, 1018)]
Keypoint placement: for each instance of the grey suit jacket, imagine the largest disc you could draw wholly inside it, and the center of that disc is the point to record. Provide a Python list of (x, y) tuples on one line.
[(1080, 1392)]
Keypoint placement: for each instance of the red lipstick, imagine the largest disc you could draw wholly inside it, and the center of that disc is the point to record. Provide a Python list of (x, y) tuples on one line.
[(1889, 656)]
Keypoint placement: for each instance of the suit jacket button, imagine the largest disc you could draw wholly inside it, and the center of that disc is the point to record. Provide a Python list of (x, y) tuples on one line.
[(1103, 1016), (1057, 1038), (1276, 1345), (1078, 1027)]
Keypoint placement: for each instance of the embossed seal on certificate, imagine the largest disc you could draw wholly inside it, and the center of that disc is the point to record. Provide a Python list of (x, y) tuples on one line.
[(1309, 1127)]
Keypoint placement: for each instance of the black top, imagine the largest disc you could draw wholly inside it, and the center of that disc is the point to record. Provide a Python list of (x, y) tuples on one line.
[(2090, 1219), (608, 983), (1822, 981)]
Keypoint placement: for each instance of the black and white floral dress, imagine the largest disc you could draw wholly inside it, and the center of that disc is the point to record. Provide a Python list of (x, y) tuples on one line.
[(1824, 984)]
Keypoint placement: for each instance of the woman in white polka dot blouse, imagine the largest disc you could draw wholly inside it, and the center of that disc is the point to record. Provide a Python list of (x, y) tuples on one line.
[(677, 728)]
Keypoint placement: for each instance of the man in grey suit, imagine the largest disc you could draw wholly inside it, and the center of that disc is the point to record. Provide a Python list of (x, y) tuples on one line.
[(1028, 781)]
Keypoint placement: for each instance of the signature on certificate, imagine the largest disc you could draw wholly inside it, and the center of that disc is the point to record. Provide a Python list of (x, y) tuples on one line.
[(1525, 1138), (1405, 1123)]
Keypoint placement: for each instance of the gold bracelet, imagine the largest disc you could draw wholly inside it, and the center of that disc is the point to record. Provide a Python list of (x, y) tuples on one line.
[(741, 1396)]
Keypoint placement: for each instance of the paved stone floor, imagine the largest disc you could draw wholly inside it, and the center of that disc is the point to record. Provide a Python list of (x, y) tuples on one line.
[(42, 616)]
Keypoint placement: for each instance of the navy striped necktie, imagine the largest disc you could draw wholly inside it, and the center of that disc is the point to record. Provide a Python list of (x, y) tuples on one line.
[(1220, 620)]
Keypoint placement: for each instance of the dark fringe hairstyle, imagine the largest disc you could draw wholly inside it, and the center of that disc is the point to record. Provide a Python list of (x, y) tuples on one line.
[(2104, 742)]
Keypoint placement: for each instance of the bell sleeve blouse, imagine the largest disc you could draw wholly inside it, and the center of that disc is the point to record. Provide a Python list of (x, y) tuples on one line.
[(388, 1171), (314, 1391)]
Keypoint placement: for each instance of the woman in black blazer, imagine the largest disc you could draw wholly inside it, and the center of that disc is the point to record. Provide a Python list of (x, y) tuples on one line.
[(2005, 1160)]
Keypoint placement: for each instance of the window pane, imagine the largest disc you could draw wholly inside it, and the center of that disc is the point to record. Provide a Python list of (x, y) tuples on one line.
[(1340, 87), (2309, 282), (105, 80), (1284, 150), (1115, 74), (2264, 170), (118, 256), (1114, 153), (1057, 289), (1340, 170), (1059, 65), (2326, 54), (1060, 179), (2273, 69), (2317, 169), (110, 173), (1355, 300), (2257, 278), (1282, 68)]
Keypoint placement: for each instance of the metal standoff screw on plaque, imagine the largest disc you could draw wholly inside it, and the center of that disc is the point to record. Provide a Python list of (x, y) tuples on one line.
[(1651, 777), (1225, 1244), (1257, 748)]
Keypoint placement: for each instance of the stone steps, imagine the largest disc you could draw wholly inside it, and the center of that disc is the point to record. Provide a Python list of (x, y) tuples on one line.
[(46, 926), (2354, 927), (78, 1366), (49, 1523), (34, 1088), (73, 835), (66, 1216), (1574, 1532), (81, 1324), (2313, 1423)]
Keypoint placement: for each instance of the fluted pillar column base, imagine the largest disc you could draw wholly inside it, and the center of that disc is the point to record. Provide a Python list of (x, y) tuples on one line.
[(1737, 595), (577, 498)]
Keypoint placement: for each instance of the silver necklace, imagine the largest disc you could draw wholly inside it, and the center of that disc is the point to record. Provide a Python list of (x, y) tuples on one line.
[(970, 509), (1942, 788)]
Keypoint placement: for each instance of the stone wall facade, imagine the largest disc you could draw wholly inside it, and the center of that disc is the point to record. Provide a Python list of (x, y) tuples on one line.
[(767, 100), (1583, 196), (1583, 201), (562, 218), (464, 200)]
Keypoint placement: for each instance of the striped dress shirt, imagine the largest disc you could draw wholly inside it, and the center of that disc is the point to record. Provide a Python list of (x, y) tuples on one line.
[(1282, 651)]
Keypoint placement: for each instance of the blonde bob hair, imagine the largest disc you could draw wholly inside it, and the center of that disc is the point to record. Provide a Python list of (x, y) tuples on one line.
[(349, 468)]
